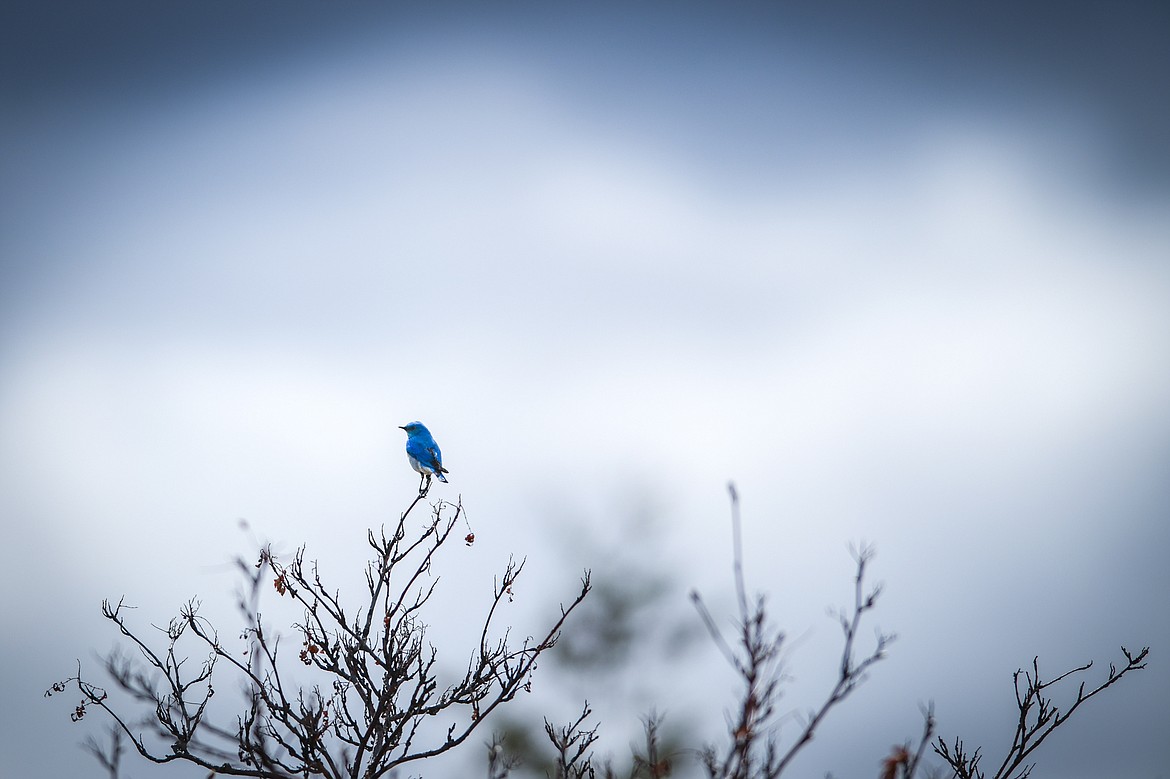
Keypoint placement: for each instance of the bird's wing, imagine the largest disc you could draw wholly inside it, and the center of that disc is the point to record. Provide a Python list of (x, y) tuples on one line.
[(418, 450), (425, 452)]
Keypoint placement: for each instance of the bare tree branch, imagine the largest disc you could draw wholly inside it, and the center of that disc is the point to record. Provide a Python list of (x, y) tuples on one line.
[(1037, 717), (754, 749), (375, 673)]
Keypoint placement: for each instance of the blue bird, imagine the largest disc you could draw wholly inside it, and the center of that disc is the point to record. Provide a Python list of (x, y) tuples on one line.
[(424, 455)]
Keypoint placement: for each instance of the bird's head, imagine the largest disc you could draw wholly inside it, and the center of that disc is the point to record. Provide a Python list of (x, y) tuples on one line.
[(413, 428)]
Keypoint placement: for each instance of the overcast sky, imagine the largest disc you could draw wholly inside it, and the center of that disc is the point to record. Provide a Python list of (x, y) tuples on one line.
[(903, 273)]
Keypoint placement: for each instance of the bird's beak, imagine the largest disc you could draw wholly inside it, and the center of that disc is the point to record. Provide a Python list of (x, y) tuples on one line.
[(402, 427)]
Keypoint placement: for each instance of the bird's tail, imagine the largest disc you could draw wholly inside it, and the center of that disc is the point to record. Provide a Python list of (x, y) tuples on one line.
[(439, 475)]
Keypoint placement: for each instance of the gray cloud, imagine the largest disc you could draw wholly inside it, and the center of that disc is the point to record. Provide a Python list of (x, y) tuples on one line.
[(932, 323)]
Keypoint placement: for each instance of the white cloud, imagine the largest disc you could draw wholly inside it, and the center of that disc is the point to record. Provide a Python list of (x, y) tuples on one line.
[(869, 351)]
